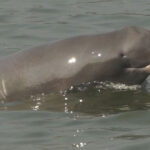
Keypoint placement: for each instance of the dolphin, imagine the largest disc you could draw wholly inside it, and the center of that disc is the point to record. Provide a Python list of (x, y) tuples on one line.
[(119, 56)]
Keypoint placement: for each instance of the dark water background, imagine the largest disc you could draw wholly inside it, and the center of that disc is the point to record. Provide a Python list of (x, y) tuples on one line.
[(96, 118)]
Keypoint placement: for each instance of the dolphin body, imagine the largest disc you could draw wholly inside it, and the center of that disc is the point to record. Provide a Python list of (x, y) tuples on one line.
[(119, 56)]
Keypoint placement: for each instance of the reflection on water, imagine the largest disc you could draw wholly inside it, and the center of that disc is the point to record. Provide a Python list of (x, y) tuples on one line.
[(60, 131), (88, 116), (99, 99)]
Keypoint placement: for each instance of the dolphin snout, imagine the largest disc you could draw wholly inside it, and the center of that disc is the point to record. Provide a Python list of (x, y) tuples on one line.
[(147, 69)]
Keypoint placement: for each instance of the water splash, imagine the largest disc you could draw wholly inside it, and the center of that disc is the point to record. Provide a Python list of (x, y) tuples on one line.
[(116, 86), (104, 86)]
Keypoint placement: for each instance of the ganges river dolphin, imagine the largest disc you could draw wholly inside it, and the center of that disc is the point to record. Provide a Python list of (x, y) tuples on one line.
[(119, 56)]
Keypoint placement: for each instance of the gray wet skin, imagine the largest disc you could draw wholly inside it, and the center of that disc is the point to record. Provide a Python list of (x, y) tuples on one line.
[(120, 56)]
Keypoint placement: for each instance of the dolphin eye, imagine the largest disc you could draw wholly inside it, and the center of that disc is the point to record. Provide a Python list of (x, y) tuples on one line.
[(122, 55)]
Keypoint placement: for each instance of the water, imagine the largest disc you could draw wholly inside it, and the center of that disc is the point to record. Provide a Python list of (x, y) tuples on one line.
[(48, 130), (88, 118)]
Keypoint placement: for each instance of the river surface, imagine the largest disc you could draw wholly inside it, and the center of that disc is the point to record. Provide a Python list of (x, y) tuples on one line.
[(102, 117)]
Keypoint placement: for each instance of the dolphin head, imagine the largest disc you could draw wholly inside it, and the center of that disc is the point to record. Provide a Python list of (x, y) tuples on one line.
[(137, 47)]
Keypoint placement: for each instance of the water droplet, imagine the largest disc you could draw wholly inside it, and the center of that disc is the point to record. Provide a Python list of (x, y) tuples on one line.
[(71, 112), (99, 54), (38, 98), (81, 100), (66, 98), (71, 88)]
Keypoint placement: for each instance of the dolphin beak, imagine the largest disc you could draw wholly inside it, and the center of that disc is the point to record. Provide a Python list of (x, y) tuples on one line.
[(146, 69)]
